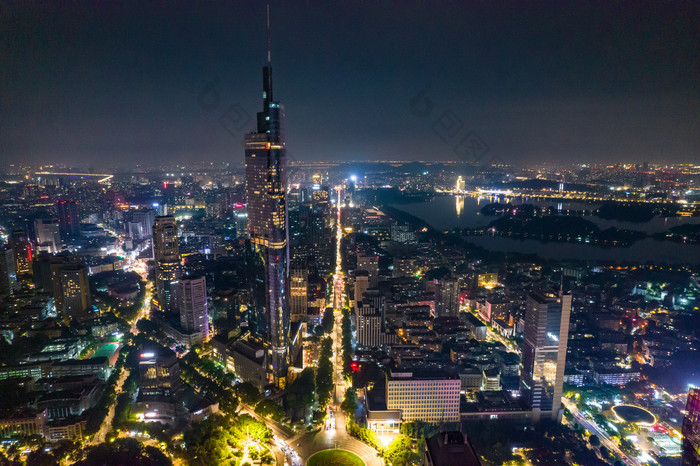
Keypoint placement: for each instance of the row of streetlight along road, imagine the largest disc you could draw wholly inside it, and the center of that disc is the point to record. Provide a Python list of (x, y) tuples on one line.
[(600, 433)]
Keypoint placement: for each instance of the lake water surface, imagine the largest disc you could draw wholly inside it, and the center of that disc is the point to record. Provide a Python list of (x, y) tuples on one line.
[(447, 212)]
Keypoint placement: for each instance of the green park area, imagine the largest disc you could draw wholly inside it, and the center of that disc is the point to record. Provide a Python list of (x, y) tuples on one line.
[(335, 458)]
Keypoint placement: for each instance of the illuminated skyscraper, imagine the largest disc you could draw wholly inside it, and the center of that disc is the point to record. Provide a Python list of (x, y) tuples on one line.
[(22, 248), (75, 290), (166, 251), (544, 351), (691, 430), (299, 292), (266, 188)]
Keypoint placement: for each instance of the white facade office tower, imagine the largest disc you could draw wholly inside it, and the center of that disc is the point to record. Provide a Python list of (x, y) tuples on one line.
[(144, 219), (192, 302), (544, 351), (48, 234)]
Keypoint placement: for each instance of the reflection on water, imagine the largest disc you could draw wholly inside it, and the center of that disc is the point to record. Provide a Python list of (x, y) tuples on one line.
[(459, 205), (444, 213)]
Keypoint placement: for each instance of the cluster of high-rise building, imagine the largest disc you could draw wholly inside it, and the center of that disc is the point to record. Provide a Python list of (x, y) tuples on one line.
[(241, 260)]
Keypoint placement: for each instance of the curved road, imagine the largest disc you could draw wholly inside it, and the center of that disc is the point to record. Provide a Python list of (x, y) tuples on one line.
[(600, 433)]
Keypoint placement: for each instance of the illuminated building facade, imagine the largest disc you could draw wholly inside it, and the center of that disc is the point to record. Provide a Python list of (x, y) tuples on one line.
[(159, 372), (423, 396), (487, 280), (544, 351), (22, 248), (369, 329), (266, 197), (447, 297), (48, 235), (166, 252), (299, 293), (369, 263), (691, 429), (75, 292)]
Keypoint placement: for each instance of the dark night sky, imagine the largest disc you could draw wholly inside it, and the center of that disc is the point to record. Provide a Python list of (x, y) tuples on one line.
[(559, 81)]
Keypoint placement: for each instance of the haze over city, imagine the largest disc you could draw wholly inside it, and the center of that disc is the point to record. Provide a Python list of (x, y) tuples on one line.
[(86, 82)]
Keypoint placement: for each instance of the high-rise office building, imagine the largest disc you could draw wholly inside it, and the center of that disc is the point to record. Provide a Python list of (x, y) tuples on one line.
[(691, 430), (75, 292), (166, 239), (299, 292), (544, 351), (143, 220), (369, 328), (46, 269), (48, 235), (166, 252), (192, 302), (241, 221), (68, 218), (369, 263), (361, 286), (22, 247), (447, 297), (8, 276), (266, 188)]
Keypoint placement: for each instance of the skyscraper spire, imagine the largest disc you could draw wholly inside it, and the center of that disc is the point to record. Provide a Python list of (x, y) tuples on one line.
[(266, 188), (267, 70), (269, 59)]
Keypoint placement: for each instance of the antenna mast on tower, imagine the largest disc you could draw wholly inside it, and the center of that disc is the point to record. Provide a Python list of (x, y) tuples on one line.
[(269, 58)]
